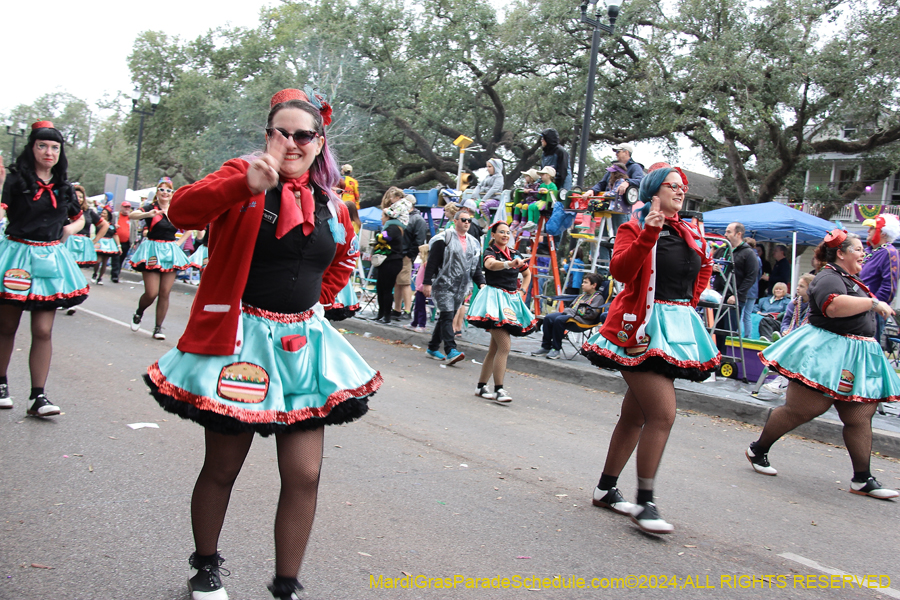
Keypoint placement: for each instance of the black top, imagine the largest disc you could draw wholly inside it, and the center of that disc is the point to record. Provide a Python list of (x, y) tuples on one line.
[(830, 281), (90, 218), (677, 266), (111, 231), (163, 231), (37, 220), (746, 271), (507, 279), (286, 274), (394, 238)]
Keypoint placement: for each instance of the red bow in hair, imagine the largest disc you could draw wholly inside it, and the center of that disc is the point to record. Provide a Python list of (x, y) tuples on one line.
[(45, 187)]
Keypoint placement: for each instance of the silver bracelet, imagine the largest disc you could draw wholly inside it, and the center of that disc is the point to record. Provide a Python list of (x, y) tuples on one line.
[(875, 304)]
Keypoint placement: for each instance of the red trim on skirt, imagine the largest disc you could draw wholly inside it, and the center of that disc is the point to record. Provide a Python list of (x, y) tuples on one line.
[(526, 329), (36, 298), (633, 362), (261, 416), (277, 317), (821, 388), (32, 243)]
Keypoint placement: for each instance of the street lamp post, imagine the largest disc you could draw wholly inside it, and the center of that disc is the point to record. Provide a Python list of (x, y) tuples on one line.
[(612, 13), (154, 102), (16, 131)]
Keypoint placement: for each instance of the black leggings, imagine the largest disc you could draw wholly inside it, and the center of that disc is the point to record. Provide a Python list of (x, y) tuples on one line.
[(384, 285)]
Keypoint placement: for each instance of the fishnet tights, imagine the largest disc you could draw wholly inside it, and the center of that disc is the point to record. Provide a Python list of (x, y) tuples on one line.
[(299, 465), (648, 413), (498, 353), (803, 404)]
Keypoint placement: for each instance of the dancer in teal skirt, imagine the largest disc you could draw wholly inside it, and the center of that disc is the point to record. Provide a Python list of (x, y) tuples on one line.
[(653, 335), (499, 308), (81, 245), (158, 257), (39, 273), (256, 356), (834, 360), (109, 246)]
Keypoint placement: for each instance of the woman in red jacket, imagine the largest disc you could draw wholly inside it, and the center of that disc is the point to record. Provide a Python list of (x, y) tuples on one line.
[(653, 335), (253, 357)]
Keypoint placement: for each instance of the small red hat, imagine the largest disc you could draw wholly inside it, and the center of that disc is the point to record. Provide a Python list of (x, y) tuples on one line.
[(288, 94), (835, 237), (42, 125)]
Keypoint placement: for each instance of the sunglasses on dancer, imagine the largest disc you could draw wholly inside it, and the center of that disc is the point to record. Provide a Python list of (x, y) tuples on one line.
[(301, 137), (675, 187)]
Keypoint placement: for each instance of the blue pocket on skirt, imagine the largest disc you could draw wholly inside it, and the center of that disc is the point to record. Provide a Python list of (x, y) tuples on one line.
[(44, 266)]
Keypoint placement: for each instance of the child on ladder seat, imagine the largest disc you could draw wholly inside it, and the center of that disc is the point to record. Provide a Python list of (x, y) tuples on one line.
[(529, 196), (534, 209)]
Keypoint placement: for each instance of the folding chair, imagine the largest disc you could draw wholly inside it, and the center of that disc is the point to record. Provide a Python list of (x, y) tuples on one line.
[(582, 333)]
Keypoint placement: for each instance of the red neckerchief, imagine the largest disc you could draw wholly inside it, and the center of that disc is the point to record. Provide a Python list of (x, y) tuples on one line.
[(688, 234), (156, 218), (290, 215), (45, 187), (504, 253), (844, 273)]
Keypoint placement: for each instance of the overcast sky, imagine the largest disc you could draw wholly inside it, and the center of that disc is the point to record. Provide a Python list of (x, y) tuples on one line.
[(84, 46), (90, 59)]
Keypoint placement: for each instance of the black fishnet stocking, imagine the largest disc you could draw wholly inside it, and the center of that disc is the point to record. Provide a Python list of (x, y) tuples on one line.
[(299, 464), (857, 420), (648, 413), (801, 405), (225, 456), (498, 353)]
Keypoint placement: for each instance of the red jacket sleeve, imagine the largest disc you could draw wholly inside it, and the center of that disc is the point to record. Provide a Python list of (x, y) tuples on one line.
[(198, 204), (341, 268), (633, 244)]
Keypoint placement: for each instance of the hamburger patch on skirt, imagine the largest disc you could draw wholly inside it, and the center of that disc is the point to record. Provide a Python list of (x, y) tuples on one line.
[(243, 382)]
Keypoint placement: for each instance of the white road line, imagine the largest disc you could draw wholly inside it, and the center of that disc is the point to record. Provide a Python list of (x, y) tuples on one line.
[(111, 320), (814, 565)]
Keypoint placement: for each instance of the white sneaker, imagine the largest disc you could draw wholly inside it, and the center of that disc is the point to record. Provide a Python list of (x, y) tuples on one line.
[(613, 500), (871, 487), (136, 321), (5, 400), (503, 396), (777, 385), (483, 392), (647, 518)]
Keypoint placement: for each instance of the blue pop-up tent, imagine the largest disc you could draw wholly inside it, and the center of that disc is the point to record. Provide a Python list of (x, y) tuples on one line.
[(771, 222), (370, 217)]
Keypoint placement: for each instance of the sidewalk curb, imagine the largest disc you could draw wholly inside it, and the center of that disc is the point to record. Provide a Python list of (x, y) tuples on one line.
[(750, 411)]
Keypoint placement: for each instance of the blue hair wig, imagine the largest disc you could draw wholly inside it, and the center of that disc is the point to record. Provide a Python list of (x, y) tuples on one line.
[(650, 184)]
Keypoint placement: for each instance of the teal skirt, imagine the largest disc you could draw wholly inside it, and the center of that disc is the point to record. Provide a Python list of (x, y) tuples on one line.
[(843, 367), (679, 346), (108, 247), (200, 257), (82, 248), (346, 304), (294, 372), (40, 275), (495, 308), (155, 255)]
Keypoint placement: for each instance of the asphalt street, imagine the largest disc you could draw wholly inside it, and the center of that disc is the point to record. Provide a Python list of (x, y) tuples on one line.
[(431, 490)]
